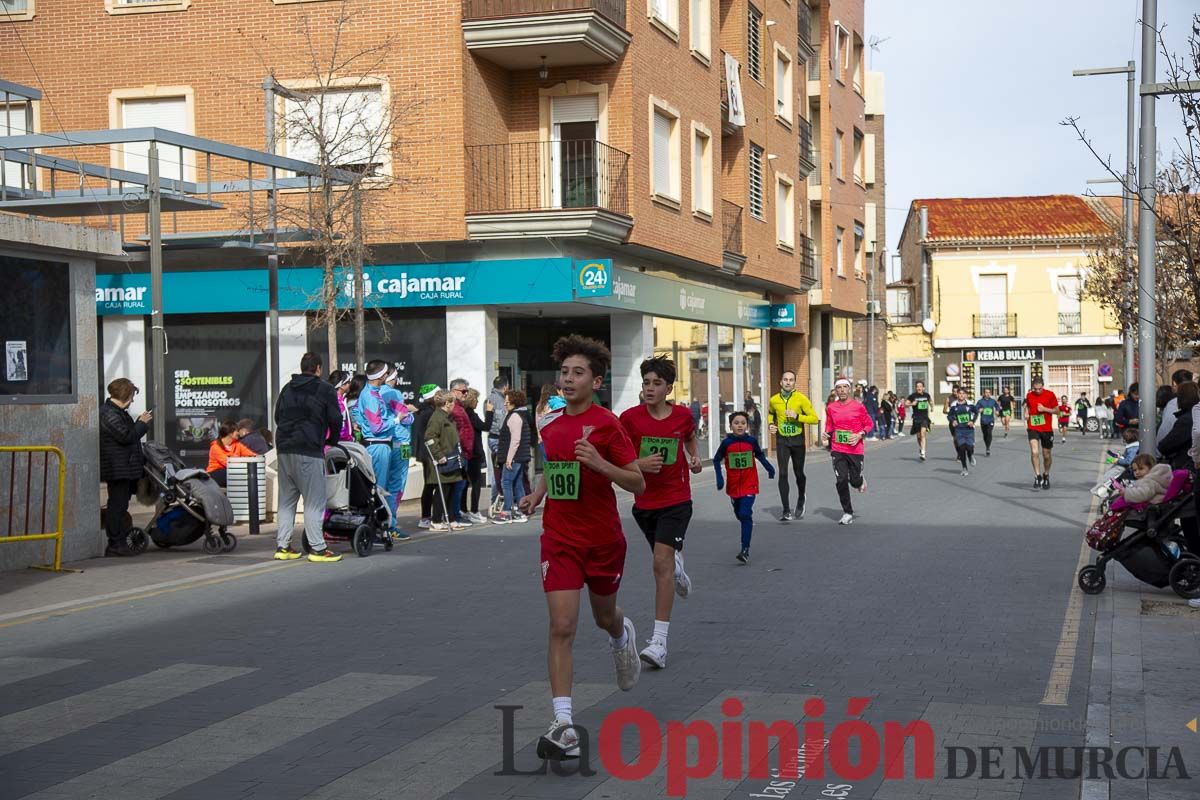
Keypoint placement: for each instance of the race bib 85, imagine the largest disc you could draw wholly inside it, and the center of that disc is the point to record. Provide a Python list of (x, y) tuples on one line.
[(743, 459)]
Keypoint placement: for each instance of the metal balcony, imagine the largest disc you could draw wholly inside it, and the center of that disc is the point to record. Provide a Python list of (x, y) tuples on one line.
[(1069, 324), (807, 157), (733, 247), (993, 326), (804, 37), (808, 262), (524, 34)]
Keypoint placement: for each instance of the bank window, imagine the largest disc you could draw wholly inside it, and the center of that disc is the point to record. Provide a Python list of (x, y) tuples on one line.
[(16, 10), (144, 6), (756, 181), (702, 192), (666, 14), (785, 212), (783, 85), (754, 43), (348, 126), (840, 251), (700, 21), (37, 331), (665, 136), (168, 110)]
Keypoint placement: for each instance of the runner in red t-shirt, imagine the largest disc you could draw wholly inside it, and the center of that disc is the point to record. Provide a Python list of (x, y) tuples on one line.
[(1064, 417), (737, 452), (663, 434), (1041, 405), (587, 451)]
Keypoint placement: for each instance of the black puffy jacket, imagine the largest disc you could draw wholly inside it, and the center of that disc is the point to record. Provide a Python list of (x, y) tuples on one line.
[(307, 417), (1175, 445), (120, 444)]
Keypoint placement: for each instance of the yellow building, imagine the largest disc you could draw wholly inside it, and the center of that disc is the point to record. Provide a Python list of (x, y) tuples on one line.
[(1000, 299)]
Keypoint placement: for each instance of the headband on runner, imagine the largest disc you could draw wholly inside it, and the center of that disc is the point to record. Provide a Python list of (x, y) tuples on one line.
[(379, 373), (841, 382), (342, 382)]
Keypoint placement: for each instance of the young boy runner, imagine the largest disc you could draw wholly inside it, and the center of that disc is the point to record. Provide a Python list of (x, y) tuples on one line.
[(1007, 403), (1041, 404), (664, 436), (587, 451), (920, 401), (738, 451), (989, 409), (962, 415), (787, 414), (846, 425)]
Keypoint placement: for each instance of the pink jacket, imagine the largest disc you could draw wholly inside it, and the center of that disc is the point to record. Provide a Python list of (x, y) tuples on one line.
[(850, 416)]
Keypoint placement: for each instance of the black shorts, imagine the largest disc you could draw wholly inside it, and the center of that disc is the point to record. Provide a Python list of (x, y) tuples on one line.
[(664, 525), (918, 424), (1045, 437)]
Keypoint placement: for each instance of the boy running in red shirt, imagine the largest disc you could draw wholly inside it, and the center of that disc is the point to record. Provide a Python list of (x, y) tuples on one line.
[(663, 434), (1064, 417), (582, 543), (1040, 404), (738, 451)]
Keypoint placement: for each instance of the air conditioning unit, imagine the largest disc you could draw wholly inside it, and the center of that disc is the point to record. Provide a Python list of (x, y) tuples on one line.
[(873, 307)]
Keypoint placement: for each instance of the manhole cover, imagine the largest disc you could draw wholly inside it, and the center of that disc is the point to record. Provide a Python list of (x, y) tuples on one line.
[(1168, 608)]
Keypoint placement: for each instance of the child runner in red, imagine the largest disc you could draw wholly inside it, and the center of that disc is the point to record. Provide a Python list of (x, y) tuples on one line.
[(663, 434), (738, 451), (587, 451), (1064, 417)]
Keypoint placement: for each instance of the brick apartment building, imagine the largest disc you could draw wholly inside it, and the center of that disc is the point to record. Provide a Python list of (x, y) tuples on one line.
[(638, 173)]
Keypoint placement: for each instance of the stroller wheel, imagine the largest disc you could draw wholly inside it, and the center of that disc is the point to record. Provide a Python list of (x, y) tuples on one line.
[(364, 540), (228, 542), (212, 544), (1185, 577), (1092, 580), (138, 541)]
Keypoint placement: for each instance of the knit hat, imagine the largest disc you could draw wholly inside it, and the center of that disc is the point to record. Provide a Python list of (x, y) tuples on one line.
[(428, 390)]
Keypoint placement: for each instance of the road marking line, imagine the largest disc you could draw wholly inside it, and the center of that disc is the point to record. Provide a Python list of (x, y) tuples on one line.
[(20, 668), (1059, 684), (205, 752), (39, 724)]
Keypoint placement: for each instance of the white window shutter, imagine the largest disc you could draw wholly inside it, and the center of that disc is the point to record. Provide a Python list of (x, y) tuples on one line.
[(869, 159), (12, 123), (169, 113), (869, 211), (662, 154), (576, 108)]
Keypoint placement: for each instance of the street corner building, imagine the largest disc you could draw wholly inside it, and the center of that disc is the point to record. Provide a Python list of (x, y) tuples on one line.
[(701, 178), (991, 295)]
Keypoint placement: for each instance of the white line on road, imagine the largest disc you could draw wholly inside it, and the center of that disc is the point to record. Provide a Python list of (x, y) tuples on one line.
[(19, 668)]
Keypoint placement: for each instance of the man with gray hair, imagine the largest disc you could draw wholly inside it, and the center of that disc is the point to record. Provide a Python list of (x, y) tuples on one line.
[(495, 412), (466, 432)]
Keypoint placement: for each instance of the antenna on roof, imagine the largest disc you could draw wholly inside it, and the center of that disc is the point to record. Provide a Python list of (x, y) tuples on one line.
[(874, 43)]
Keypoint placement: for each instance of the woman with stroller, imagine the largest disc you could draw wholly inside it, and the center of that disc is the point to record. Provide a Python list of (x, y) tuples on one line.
[(475, 467), (515, 451), (443, 451), (121, 461), (1175, 445), (225, 445)]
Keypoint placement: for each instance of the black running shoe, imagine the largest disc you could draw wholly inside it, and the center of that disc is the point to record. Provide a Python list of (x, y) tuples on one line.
[(744, 557), (1037, 481), (1046, 482)]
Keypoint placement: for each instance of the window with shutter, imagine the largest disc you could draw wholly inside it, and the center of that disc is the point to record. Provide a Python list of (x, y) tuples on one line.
[(169, 113), (349, 125), (575, 108), (12, 123), (662, 155), (701, 172), (754, 43), (756, 181)]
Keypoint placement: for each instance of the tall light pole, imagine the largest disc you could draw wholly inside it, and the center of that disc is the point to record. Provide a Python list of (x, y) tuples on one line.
[(1130, 69), (1147, 167)]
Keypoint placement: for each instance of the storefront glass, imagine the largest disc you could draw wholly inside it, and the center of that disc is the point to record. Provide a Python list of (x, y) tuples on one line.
[(729, 401), (687, 345), (414, 338), (752, 372)]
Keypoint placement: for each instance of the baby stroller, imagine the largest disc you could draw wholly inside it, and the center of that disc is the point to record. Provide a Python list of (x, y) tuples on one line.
[(190, 504), (357, 509), (1154, 551)]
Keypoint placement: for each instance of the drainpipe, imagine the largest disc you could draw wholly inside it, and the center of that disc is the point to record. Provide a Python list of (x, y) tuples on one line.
[(924, 234)]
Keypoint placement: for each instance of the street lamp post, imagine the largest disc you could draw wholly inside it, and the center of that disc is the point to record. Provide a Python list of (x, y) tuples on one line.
[(1130, 70)]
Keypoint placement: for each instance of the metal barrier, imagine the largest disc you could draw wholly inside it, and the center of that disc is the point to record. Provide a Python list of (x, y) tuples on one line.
[(14, 486)]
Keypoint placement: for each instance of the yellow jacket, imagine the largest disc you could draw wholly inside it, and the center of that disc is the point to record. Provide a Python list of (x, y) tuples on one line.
[(797, 403)]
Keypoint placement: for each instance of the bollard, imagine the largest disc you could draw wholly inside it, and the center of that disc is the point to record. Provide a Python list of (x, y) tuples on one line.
[(252, 484)]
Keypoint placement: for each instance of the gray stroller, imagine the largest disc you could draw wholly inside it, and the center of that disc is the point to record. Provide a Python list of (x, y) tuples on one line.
[(190, 505)]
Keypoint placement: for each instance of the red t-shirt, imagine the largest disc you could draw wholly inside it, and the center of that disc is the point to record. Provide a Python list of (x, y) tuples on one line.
[(1045, 398), (740, 480), (1064, 414), (673, 484), (589, 518)]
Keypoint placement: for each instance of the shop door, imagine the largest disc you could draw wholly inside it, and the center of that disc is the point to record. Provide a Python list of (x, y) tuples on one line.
[(997, 377), (1070, 379)]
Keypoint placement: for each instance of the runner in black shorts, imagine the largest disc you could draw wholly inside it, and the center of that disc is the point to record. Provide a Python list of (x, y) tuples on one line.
[(1007, 404), (1041, 405), (920, 401), (664, 436)]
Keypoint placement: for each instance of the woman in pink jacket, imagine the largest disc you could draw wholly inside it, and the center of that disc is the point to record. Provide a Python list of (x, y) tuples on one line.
[(846, 425)]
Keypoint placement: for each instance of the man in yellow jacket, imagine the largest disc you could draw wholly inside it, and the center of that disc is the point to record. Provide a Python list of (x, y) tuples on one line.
[(787, 415)]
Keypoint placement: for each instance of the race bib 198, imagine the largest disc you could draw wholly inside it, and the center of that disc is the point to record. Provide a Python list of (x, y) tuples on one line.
[(842, 437), (743, 459), (562, 480), (789, 429), (963, 419), (1037, 419), (660, 446)]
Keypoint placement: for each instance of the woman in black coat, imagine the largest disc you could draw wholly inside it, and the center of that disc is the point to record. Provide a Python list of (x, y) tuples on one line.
[(1175, 445), (121, 463)]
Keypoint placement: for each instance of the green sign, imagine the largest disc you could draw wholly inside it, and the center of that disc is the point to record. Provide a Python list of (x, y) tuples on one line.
[(743, 459), (562, 480), (660, 446)]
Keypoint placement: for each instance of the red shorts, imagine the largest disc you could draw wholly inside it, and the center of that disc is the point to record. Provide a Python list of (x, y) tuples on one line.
[(568, 568)]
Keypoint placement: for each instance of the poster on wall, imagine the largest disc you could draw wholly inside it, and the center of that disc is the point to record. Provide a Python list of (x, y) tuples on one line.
[(16, 361), (215, 371), (413, 339)]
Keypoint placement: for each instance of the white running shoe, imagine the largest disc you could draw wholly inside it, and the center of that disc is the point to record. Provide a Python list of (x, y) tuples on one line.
[(438, 526), (560, 742), (518, 517), (459, 526), (683, 584), (626, 660), (655, 653), (965, 473), (1194, 602), (846, 519), (477, 518), (425, 522)]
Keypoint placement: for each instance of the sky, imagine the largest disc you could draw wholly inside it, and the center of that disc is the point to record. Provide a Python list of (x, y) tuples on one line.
[(976, 91)]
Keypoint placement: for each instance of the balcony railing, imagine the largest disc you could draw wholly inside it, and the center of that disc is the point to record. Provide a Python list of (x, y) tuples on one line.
[(807, 164), (804, 28), (994, 325), (1069, 324), (808, 258), (814, 69), (731, 227), (543, 176), (814, 178), (614, 10)]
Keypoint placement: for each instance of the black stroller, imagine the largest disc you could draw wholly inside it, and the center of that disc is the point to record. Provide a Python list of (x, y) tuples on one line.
[(1155, 549), (190, 505), (356, 510)]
